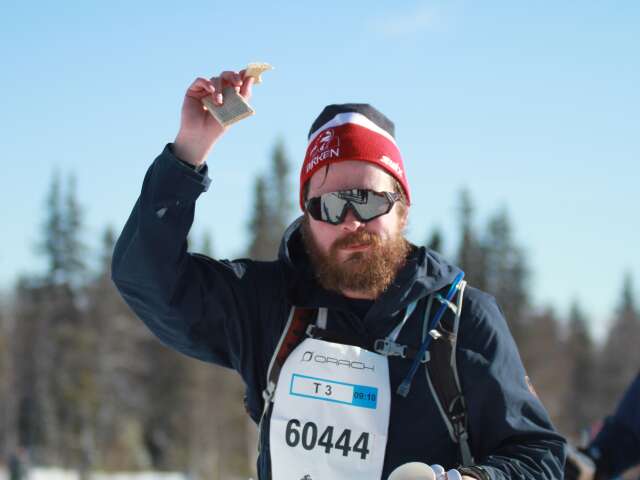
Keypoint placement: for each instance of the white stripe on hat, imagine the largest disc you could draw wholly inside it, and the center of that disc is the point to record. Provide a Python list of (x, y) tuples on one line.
[(352, 117)]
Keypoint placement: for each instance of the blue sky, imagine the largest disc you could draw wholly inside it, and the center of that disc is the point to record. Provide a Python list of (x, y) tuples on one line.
[(532, 106)]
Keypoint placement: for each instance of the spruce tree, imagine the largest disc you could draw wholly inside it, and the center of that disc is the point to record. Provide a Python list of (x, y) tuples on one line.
[(545, 362), (62, 245), (55, 406), (582, 387), (53, 229), (74, 249), (34, 353), (435, 241), (118, 368), (621, 355), (207, 244), (108, 244), (506, 273), (280, 189), (272, 207), (471, 256), (7, 396), (262, 246)]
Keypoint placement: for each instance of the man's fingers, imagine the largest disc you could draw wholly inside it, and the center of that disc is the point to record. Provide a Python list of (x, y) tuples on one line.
[(217, 84), (200, 88), (199, 83), (231, 78), (245, 89)]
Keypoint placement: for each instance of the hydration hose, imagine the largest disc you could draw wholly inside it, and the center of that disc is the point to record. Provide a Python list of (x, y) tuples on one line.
[(405, 386)]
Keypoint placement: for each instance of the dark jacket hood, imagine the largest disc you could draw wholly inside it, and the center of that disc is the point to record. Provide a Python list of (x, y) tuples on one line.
[(424, 273)]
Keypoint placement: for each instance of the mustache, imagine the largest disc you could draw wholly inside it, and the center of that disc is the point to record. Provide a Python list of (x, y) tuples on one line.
[(361, 237)]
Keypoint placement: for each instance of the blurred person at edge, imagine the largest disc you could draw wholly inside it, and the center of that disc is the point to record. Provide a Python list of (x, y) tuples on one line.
[(616, 447), (19, 464), (347, 261)]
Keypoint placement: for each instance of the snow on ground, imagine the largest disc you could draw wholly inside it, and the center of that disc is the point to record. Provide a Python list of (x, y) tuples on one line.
[(138, 476), (59, 474)]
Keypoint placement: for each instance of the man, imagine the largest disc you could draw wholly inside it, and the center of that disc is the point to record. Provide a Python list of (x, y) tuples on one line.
[(616, 447), (356, 397)]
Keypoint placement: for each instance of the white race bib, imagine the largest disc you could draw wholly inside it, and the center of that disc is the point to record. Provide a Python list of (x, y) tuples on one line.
[(330, 414)]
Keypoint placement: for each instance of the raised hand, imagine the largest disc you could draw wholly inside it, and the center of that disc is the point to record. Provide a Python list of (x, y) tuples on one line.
[(199, 131)]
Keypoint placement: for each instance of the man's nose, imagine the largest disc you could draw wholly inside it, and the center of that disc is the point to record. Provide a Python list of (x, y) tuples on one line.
[(351, 222)]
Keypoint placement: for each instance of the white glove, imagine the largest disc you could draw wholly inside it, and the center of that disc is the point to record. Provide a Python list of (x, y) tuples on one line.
[(413, 471), (422, 471), (452, 474)]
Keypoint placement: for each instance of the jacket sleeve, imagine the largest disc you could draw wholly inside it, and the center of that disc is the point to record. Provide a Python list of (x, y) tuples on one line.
[(616, 448), (511, 435), (214, 311)]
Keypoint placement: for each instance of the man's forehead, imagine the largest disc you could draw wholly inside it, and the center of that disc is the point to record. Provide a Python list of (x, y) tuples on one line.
[(350, 174)]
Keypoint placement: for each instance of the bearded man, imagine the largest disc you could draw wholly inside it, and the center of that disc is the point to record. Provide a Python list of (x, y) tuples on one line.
[(337, 340)]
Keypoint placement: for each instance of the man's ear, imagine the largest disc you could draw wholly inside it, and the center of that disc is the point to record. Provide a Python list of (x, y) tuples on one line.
[(404, 217)]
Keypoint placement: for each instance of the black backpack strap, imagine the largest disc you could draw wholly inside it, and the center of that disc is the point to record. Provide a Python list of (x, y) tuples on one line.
[(442, 376), (292, 335), (314, 331)]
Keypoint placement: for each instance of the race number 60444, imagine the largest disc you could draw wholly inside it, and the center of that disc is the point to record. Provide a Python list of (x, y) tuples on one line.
[(309, 437)]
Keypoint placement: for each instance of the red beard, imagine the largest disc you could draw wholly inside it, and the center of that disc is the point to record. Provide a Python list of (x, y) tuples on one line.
[(370, 271)]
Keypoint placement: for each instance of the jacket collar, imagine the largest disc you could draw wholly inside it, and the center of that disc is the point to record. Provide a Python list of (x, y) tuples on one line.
[(425, 272)]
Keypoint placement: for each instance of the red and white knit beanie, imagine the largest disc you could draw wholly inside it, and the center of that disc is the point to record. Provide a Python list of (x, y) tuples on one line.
[(352, 131)]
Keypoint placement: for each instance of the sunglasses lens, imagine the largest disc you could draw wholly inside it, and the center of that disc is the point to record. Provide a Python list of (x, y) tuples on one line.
[(366, 204), (374, 205), (332, 207)]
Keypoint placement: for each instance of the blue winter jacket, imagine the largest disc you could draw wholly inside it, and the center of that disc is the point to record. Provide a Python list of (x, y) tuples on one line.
[(616, 448), (232, 313)]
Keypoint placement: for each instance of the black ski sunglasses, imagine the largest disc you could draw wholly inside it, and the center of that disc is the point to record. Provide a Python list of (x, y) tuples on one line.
[(365, 204)]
